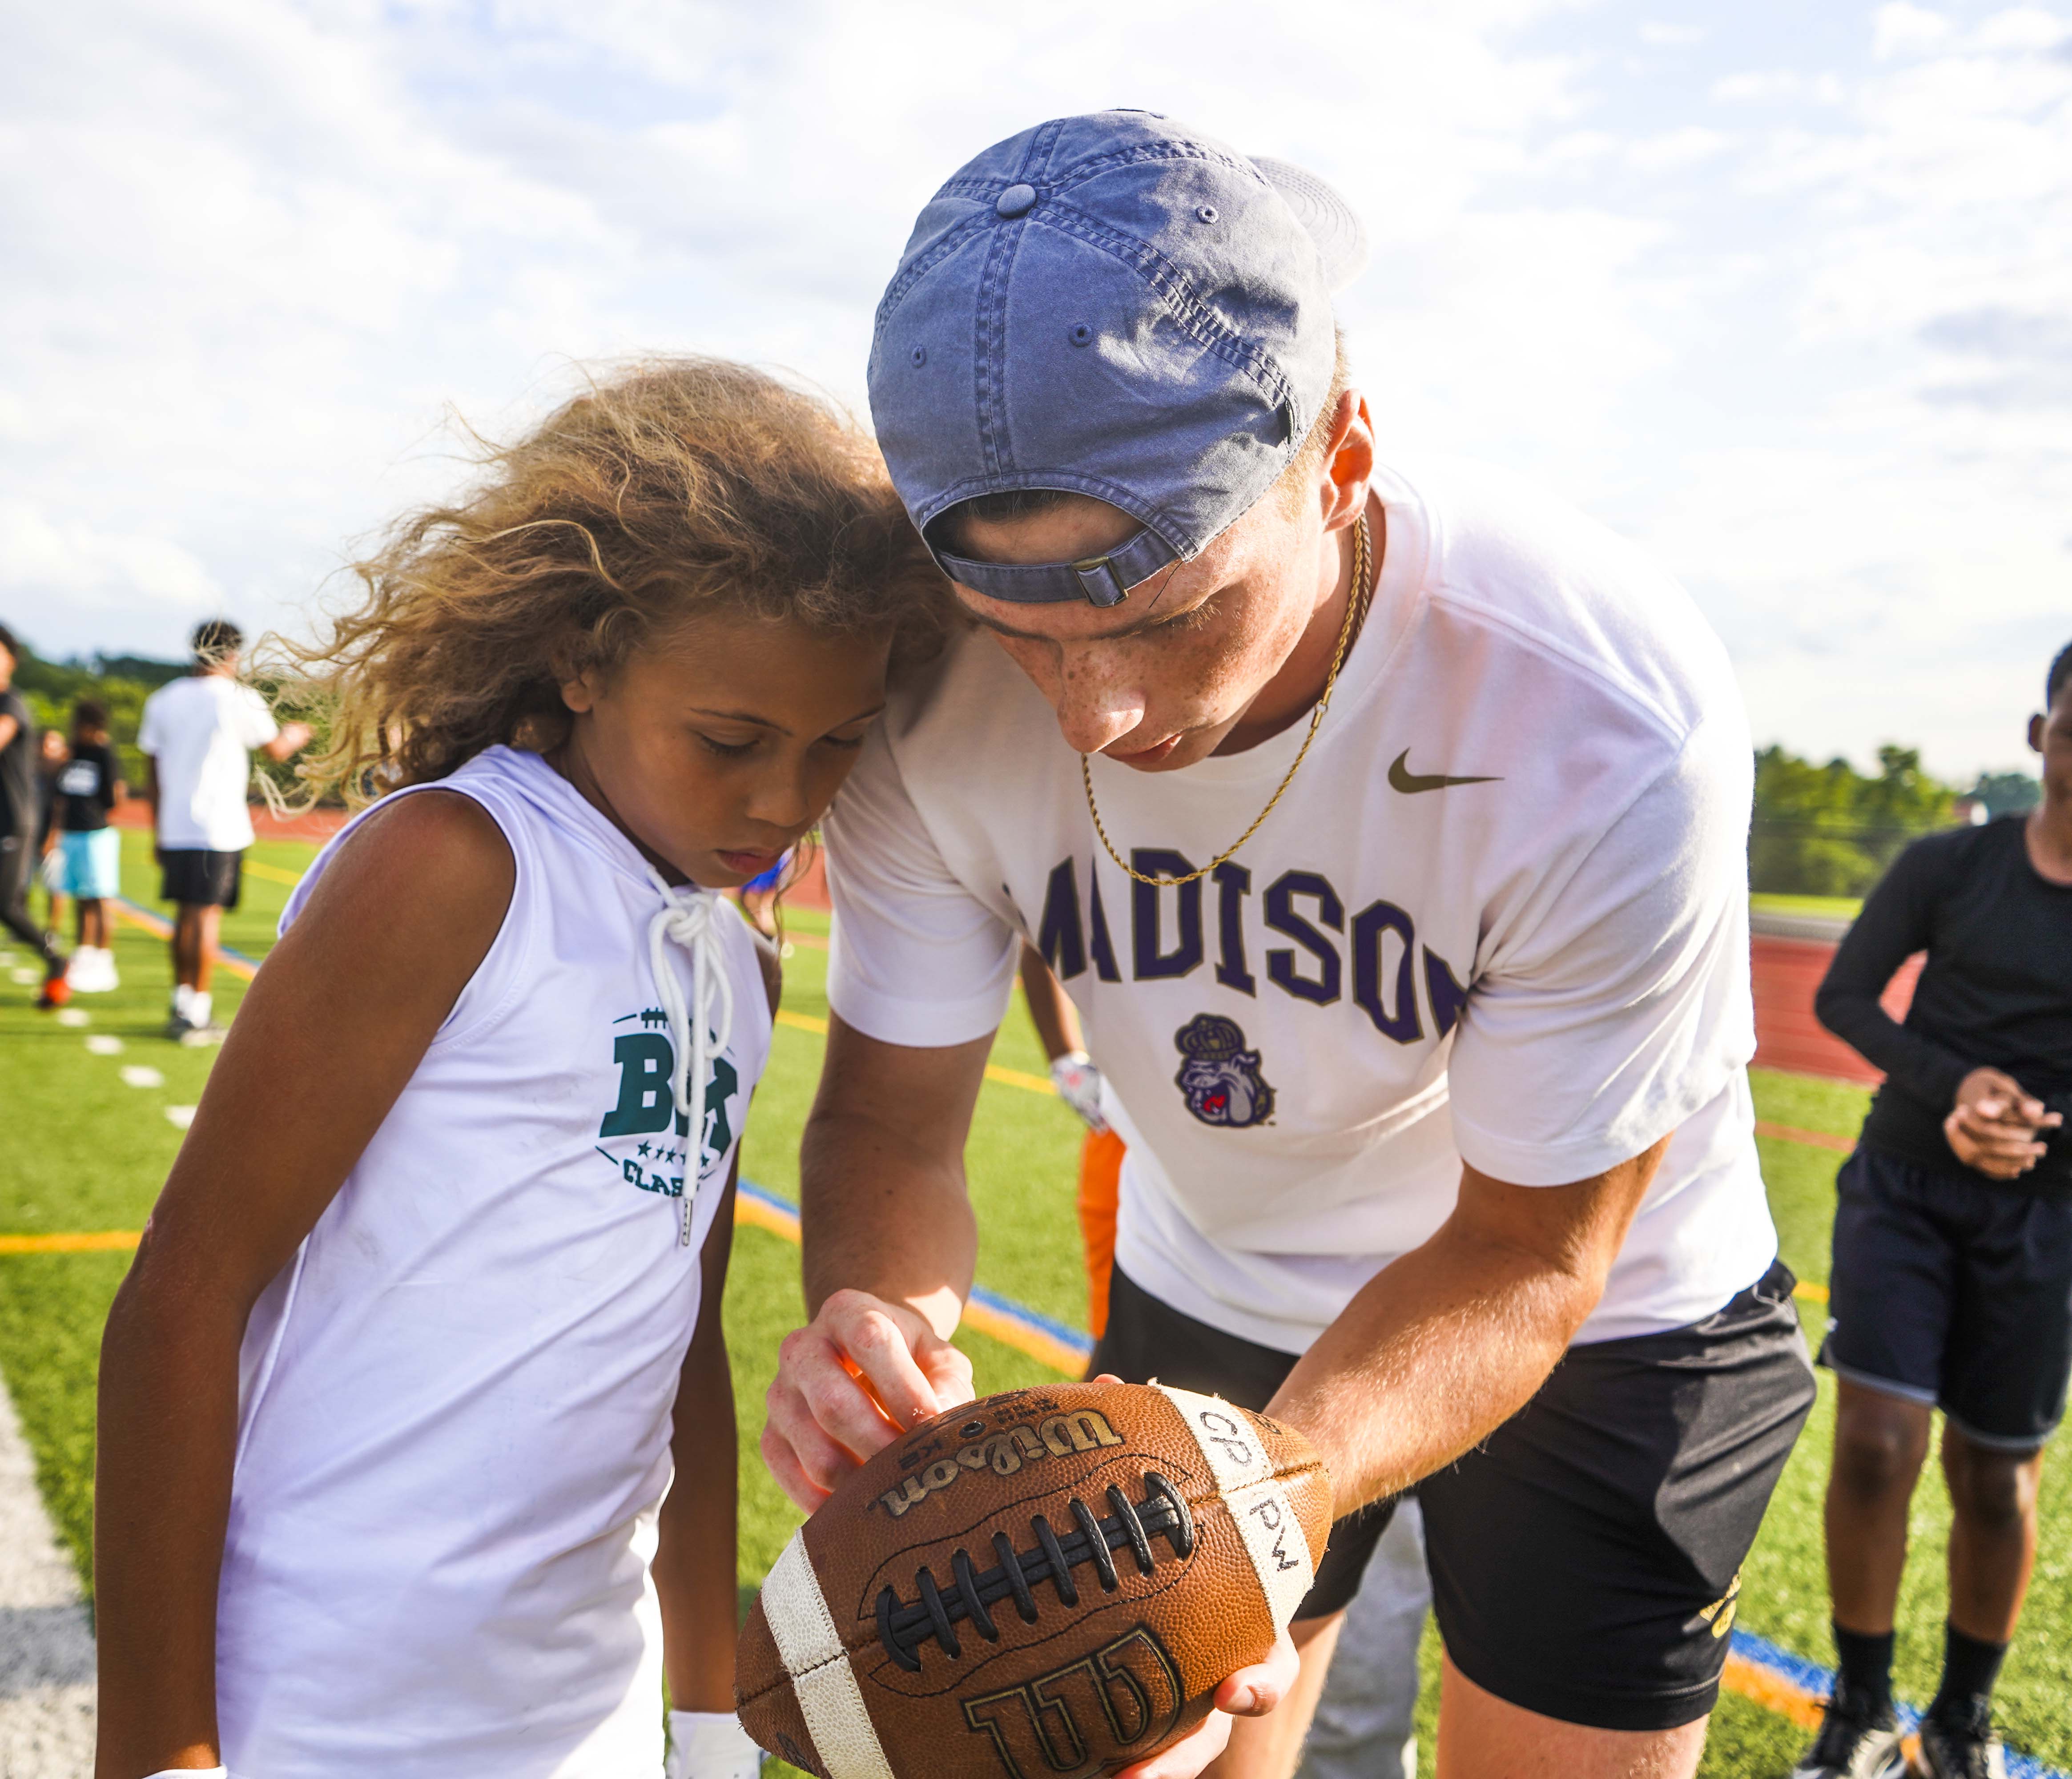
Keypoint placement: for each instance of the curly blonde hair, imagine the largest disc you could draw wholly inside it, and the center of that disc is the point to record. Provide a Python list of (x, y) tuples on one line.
[(667, 488)]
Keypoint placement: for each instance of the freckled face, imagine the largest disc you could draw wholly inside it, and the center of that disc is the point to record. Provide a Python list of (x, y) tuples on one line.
[(1157, 682), (718, 746)]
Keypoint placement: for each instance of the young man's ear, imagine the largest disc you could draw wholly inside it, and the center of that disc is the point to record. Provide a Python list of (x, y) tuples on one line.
[(2036, 724), (1352, 458)]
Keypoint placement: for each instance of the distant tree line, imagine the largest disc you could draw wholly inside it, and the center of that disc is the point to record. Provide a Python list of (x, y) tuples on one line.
[(1831, 830), (122, 683), (1819, 830)]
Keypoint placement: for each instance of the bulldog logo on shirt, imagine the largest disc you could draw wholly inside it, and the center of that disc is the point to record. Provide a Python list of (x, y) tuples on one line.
[(1219, 1078)]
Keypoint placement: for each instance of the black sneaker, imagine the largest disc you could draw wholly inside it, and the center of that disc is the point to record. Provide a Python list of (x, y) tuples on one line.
[(1857, 1740), (1959, 1743)]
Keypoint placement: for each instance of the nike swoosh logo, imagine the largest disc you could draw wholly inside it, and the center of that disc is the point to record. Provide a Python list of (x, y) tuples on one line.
[(1401, 778)]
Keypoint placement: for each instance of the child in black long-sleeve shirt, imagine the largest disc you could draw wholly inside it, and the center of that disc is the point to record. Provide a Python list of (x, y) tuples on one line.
[(1952, 1279)]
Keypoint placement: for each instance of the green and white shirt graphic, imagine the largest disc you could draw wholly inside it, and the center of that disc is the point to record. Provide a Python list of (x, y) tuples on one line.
[(643, 1134)]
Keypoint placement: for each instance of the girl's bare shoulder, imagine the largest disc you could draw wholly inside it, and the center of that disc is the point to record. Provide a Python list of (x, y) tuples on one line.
[(433, 866)]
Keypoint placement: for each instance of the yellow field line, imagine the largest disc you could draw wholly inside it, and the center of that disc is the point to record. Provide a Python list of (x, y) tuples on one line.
[(754, 1213), (272, 873), (1007, 1077), (1772, 1691), (1032, 1342), (79, 1241)]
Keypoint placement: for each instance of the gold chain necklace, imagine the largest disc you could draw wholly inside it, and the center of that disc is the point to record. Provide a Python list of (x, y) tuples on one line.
[(1362, 595)]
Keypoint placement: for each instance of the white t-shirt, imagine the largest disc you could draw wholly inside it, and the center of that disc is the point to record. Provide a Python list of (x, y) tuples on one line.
[(455, 1406), (200, 730), (1544, 971)]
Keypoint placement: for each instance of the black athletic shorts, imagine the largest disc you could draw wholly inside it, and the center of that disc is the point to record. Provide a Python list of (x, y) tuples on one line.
[(1953, 1293), (201, 879), (1586, 1557)]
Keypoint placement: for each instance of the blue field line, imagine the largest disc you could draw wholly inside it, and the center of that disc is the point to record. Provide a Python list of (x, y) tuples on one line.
[(1816, 1682), (153, 915), (1062, 1332)]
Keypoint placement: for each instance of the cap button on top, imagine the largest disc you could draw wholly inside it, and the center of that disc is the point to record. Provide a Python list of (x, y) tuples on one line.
[(1016, 200)]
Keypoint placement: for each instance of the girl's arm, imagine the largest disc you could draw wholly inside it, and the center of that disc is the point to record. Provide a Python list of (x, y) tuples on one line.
[(695, 1570), (331, 1033), (695, 1546)]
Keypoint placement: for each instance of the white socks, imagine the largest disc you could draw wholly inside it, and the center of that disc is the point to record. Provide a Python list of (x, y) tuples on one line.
[(192, 1005), (710, 1745), (91, 970)]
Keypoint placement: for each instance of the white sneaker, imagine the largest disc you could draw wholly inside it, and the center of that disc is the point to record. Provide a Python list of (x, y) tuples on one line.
[(92, 971)]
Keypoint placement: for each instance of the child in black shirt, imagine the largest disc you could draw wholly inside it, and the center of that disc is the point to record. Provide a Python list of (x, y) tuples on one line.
[(90, 790), (1951, 1285)]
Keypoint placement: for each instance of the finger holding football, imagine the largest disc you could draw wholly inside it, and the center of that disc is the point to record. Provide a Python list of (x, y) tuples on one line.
[(1250, 1692), (861, 1373)]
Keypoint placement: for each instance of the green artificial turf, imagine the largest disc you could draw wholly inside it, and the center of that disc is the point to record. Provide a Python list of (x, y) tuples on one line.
[(86, 1152)]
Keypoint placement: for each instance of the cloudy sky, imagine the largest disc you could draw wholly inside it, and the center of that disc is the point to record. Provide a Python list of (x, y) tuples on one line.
[(1781, 289)]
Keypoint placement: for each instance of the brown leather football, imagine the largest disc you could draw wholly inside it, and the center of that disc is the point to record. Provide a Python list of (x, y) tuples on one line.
[(1046, 1584)]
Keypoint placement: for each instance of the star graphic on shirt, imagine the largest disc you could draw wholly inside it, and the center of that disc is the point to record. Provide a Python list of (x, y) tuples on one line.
[(644, 1149)]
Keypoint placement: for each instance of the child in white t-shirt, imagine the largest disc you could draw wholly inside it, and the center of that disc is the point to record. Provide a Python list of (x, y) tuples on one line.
[(197, 735), (417, 1439)]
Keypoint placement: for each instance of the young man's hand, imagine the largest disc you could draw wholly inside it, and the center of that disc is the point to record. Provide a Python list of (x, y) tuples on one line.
[(850, 1382), (1996, 1127), (1250, 1692)]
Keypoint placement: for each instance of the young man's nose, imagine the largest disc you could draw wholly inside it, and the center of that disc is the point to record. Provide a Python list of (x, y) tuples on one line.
[(1094, 711)]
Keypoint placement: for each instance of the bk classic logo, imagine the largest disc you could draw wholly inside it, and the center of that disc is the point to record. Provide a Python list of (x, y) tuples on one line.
[(1220, 1077), (658, 1147)]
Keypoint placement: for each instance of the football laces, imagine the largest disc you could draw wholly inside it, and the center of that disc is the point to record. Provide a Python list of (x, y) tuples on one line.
[(903, 1627)]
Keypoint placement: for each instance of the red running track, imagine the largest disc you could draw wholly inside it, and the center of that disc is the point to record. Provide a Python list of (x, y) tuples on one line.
[(318, 825), (1787, 1036)]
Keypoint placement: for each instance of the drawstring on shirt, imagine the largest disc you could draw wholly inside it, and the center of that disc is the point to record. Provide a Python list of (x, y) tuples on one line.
[(700, 1031)]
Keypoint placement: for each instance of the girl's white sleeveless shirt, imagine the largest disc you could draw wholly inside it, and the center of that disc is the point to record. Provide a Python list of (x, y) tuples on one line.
[(455, 1403)]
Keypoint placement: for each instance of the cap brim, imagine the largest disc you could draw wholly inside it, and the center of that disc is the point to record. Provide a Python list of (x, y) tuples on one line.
[(1328, 220)]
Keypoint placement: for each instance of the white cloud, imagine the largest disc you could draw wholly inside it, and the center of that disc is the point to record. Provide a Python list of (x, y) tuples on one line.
[(1676, 149), (39, 558), (1795, 322), (1904, 30)]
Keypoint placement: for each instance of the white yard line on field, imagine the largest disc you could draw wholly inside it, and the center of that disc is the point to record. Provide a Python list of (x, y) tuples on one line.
[(46, 1649)]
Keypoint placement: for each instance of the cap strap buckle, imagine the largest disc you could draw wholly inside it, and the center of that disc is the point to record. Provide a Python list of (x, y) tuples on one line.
[(1104, 586)]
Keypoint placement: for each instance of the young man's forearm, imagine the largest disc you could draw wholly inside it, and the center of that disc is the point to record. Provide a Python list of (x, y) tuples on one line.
[(882, 1215), (168, 1438), (1442, 1347), (1435, 1352)]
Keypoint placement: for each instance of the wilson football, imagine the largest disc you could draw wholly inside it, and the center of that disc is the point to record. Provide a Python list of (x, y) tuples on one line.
[(1046, 1584)]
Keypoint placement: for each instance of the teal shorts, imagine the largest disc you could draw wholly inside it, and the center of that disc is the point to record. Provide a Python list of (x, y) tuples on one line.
[(93, 864)]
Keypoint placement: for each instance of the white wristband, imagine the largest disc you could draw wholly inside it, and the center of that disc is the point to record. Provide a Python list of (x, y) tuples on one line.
[(190, 1773), (710, 1745)]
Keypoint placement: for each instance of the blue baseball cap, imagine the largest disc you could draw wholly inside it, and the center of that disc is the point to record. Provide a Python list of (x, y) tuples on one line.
[(1112, 305)]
